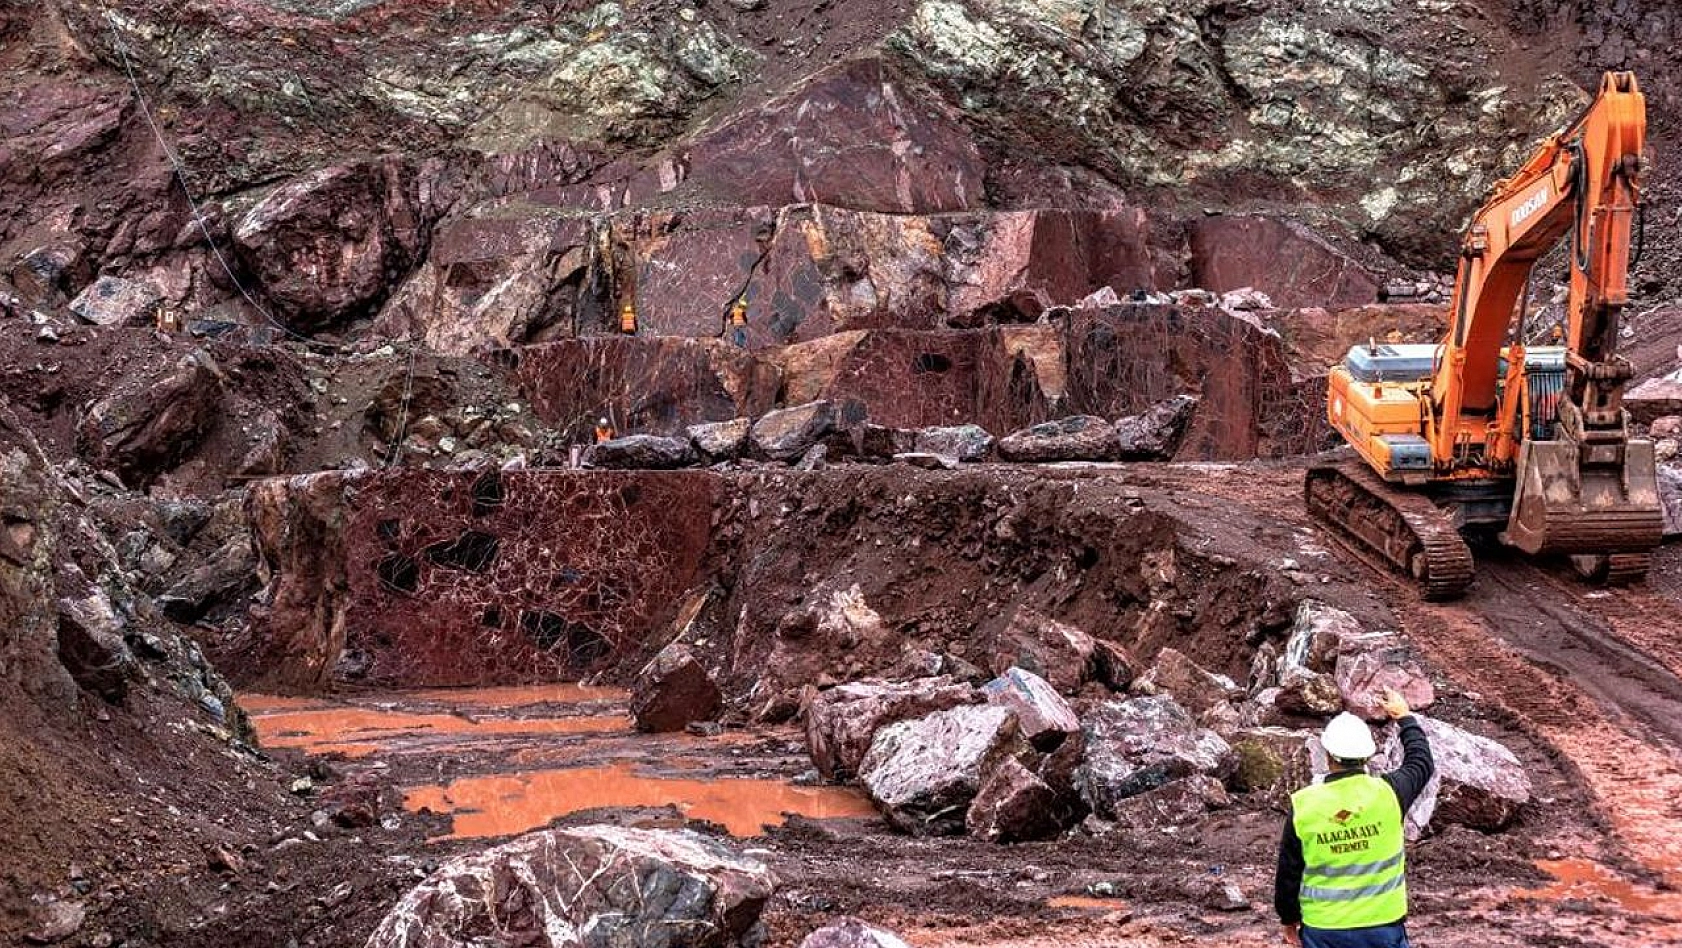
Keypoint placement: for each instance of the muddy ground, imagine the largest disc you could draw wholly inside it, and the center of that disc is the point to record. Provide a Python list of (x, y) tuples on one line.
[(1585, 690)]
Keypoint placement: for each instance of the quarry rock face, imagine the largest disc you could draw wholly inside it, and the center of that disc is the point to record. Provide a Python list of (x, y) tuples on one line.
[(923, 773), (1288, 262), (673, 690), (589, 885), (842, 721), (1138, 745)]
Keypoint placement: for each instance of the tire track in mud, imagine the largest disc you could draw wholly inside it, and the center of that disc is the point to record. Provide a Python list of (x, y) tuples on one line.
[(1551, 655)]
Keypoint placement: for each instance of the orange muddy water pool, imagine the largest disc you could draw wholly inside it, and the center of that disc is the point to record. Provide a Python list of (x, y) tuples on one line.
[(504, 732), (506, 804)]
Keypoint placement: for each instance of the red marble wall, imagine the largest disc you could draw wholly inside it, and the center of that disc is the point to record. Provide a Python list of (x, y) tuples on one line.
[(459, 578)]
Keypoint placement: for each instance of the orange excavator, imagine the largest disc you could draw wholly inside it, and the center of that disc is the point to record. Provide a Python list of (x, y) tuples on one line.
[(1480, 434)]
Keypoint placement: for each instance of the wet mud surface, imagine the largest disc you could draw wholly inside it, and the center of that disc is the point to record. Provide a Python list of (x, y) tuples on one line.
[(467, 767)]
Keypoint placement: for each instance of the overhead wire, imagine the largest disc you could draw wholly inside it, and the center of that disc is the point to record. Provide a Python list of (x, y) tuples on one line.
[(179, 172)]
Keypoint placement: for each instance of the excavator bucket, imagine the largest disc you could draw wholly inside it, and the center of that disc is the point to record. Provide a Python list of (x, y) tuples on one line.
[(1593, 499)]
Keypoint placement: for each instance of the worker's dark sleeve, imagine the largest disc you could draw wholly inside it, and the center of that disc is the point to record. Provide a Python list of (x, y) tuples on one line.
[(1410, 778), (1287, 877)]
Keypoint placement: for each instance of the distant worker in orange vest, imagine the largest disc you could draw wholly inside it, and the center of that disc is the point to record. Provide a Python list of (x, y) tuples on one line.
[(736, 326), (628, 318), (604, 430)]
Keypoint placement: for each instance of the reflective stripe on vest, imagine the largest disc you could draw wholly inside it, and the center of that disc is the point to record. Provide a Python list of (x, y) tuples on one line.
[(1354, 872)]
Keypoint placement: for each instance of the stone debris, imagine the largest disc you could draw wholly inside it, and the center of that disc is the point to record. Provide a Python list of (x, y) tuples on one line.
[(588, 885), (1156, 434), (720, 440), (1045, 718), (56, 921), (1076, 438), (1478, 783), (642, 451), (922, 774), (1014, 804), (964, 442), (114, 301), (841, 721), (788, 433), (852, 933), (673, 690), (1140, 744), (928, 462)]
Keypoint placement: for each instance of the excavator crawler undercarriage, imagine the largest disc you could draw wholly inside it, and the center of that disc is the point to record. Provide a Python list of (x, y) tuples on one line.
[(1403, 532)]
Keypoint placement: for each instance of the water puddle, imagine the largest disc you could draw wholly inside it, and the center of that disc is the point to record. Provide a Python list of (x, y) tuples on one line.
[(505, 804), (1586, 879), (520, 696), (262, 704), (1086, 903), (358, 732)]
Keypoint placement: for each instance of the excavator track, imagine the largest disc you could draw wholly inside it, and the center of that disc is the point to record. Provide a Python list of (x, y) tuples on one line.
[(1613, 569), (1390, 529)]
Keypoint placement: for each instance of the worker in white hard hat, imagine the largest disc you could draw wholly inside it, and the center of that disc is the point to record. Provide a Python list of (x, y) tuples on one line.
[(1341, 881)]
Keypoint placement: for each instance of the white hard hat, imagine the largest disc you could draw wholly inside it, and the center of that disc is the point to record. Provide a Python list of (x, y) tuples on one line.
[(1347, 737)]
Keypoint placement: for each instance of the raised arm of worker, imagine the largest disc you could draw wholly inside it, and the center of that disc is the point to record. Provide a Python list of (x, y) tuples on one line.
[(1408, 781), (1418, 765)]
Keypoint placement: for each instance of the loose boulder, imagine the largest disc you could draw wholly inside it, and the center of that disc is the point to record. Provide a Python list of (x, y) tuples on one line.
[(720, 440), (138, 433), (1061, 653), (1014, 804), (923, 774), (788, 433), (673, 690), (1196, 689), (643, 452), (114, 301), (1363, 676), (841, 721), (1045, 718), (1273, 762), (964, 442), (852, 933), (591, 887), (1478, 783), (1138, 745), (1175, 803), (1077, 438), (1156, 434)]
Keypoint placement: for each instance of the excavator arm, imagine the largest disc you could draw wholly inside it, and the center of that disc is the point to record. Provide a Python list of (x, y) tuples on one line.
[(1583, 182)]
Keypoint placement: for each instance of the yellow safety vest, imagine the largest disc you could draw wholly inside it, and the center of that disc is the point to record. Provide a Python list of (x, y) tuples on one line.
[(1354, 872)]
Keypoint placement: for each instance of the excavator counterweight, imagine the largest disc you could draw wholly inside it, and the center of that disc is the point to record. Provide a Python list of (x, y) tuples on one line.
[(1479, 432)]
